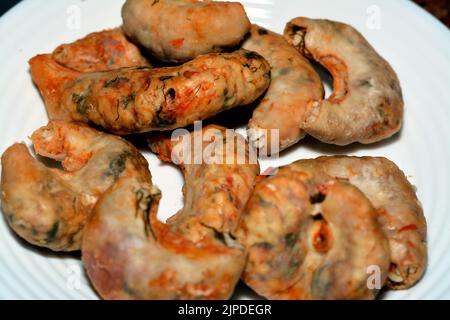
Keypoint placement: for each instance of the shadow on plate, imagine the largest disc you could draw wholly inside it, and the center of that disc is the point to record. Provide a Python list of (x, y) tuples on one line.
[(45, 252), (244, 292)]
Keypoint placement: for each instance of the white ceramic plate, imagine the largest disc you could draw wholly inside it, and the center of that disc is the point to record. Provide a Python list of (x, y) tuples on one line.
[(417, 46)]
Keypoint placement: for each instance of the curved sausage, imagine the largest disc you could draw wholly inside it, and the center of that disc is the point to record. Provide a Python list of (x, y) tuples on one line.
[(366, 105), (129, 254), (49, 207), (51, 78), (294, 84), (98, 51), (399, 211), (310, 236), (140, 99), (181, 30)]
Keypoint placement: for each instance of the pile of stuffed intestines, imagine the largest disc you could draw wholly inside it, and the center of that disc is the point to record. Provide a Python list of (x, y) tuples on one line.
[(327, 228)]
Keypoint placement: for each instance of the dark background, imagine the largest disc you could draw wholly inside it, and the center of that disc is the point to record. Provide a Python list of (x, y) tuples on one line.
[(439, 8), (6, 4)]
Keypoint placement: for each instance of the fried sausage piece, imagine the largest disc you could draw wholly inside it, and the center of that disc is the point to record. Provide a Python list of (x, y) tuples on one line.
[(181, 30), (100, 51), (219, 178), (129, 254), (310, 236), (140, 99), (366, 105), (399, 210), (294, 84), (51, 78), (49, 207)]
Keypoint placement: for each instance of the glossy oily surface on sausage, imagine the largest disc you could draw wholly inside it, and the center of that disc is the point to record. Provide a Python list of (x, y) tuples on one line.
[(141, 99), (100, 51), (49, 207), (366, 105), (181, 30)]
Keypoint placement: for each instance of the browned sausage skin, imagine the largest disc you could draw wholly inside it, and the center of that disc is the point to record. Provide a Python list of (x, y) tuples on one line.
[(49, 207), (278, 201), (181, 30), (294, 84), (310, 236), (141, 99), (98, 51), (366, 105), (129, 254), (399, 211), (51, 78)]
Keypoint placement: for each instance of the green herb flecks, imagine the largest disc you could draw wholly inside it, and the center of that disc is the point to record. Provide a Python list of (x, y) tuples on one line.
[(128, 289), (128, 99), (264, 245), (51, 235), (264, 203), (322, 279), (141, 68), (81, 100), (163, 120), (164, 78), (284, 71), (144, 202), (117, 165), (294, 264), (291, 239), (116, 82), (82, 105)]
